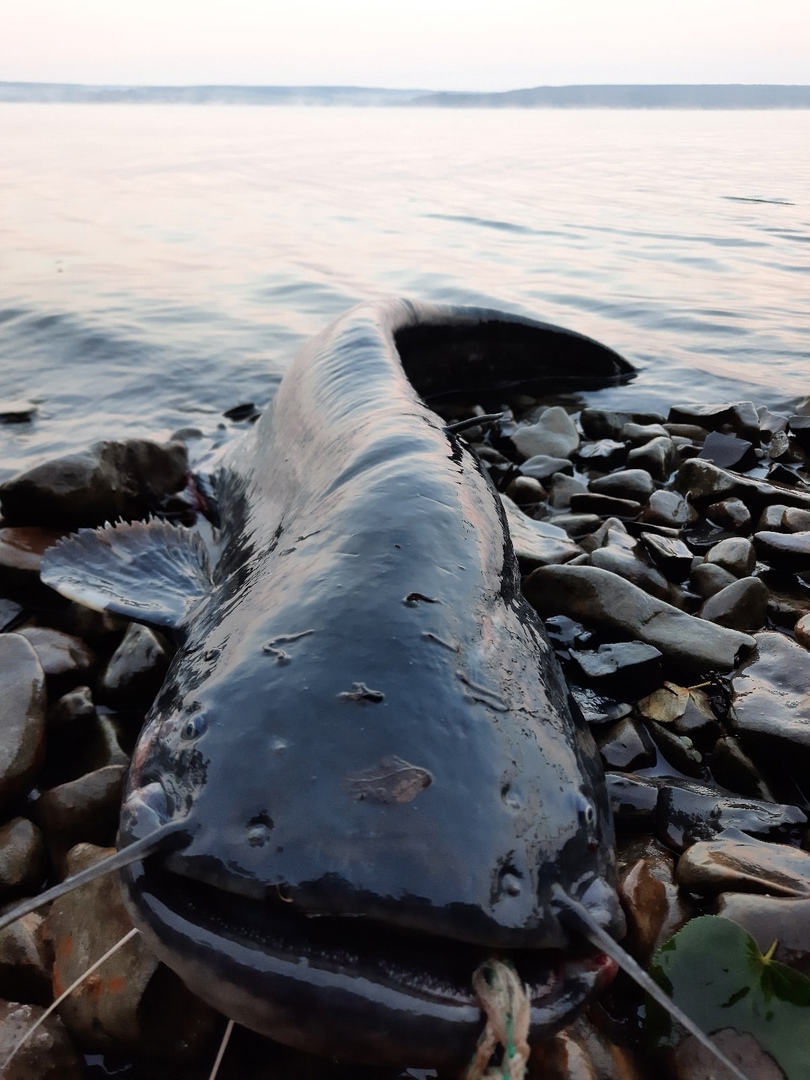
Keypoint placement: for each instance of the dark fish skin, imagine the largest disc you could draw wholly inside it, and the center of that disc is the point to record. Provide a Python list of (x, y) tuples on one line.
[(365, 728)]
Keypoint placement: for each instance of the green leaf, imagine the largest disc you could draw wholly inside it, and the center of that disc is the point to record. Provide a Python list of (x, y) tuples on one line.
[(713, 970)]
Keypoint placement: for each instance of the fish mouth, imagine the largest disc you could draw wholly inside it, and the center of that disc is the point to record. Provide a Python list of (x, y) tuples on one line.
[(347, 986)]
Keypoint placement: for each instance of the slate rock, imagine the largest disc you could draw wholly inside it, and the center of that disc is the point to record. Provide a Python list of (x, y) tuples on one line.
[(108, 481), (604, 454), (771, 700), (22, 715), (537, 543), (786, 551), (728, 452), (706, 483), (626, 669), (605, 601), (626, 745), (740, 416), (735, 554), (743, 605)]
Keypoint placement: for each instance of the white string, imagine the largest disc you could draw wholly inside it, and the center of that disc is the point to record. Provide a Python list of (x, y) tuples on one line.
[(221, 1053)]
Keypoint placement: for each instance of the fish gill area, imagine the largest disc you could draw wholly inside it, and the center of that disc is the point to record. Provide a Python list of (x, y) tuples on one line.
[(669, 557)]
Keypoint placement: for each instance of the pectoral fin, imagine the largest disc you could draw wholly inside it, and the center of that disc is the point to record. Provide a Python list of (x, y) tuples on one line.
[(149, 571)]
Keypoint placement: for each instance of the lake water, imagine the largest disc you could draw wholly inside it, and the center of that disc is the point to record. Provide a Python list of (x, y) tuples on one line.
[(159, 264)]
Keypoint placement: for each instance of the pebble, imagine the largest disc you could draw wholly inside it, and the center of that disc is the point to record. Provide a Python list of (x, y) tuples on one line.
[(25, 961), (137, 668), (553, 435), (50, 1055), (604, 454), (795, 520), (743, 605), (672, 557), (626, 745), (604, 600), (542, 467), (735, 554), (688, 811), (602, 424), (22, 716), (638, 434), (526, 491), (668, 508), (561, 489), (626, 669), (537, 543), (628, 484), (21, 551), (730, 514), (654, 905), (633, 799), (787, 551), (740, 416), (657, 457), (82, 810), (708, 578), (65, 659), (590, 502), (707, 483), (22, 857), (110, 480)]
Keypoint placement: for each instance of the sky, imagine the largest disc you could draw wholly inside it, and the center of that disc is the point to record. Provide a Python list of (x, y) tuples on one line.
[(419, 44)]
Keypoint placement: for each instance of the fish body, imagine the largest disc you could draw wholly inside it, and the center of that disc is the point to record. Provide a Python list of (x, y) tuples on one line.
[(364, 732)]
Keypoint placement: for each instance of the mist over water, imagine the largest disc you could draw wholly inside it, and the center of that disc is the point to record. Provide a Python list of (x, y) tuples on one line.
[(159, 264)]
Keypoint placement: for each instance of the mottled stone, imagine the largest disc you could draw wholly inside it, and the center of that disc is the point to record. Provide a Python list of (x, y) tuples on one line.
[(668, 508), (22, 715), (554, 435), (50, 1055), (601, 599), (106, 482), (735, 554), (743, 605)]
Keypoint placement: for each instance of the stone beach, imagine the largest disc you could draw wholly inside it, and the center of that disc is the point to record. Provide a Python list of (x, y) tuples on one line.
[(670, 558)]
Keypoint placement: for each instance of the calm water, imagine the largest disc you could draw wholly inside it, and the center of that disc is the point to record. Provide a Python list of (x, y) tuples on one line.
[(159, 264)]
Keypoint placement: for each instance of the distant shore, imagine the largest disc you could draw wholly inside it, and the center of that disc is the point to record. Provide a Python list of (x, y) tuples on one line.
[(630, 96)]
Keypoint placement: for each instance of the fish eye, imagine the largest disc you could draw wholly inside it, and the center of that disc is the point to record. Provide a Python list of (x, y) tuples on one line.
[(193, 727), (588, 811)]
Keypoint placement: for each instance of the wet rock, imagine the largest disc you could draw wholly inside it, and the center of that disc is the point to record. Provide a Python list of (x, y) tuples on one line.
[(728, 452), (795, 520), (787, 551), (561, 489), (542, 468), (740, 416), (577, 525), (779, 473), (740, 863), (678, 750), (25, 961), (730, 514), (743, 605), (83, 810), (668, 508), (73, 718), (634, 484), (22, 857), (130, 1002), (708, 578), (771, 694), (536, 543), (17, 411), (110, 480), (657, 457), (554, 435), (770, 919), (21, 551), (22, 715), (688, 811), (771, 422), (603, 600), (65, 659), (653, 905), (640, 434), (633, 799), (48, 1055), (802, 631), (735, 770), (671, 556), (779, 447), (625, 669), (605, 505), (706, 483), (630, 565), (626, 745), (605, 454), (694, 432), (138, 666), (526, 491), (582, 1052), (735, 554), (602, 424), (770, 520)]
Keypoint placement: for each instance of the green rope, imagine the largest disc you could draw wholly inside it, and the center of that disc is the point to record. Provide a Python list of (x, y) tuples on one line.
[(505, 1004)]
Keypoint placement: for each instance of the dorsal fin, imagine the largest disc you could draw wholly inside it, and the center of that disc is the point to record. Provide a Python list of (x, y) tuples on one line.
[(149, 571)]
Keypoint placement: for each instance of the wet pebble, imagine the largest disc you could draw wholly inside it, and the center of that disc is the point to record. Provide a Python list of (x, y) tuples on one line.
[(743, 605), (82, 810), (653, 904), (728, 451), (744, 864), (735, 554), (739, 416), (771, 694), (708, 578), (21, 551), (22, 715), (22, 857), (65, 659), (634, 484), (688, 811), (626, 745), (48, 1055), (730, 514), (656, 457), (553, 435), (787, 551), (668, 508), (136, 669)]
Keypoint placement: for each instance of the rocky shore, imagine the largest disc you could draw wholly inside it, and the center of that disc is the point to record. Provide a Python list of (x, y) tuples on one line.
[(670, 559)]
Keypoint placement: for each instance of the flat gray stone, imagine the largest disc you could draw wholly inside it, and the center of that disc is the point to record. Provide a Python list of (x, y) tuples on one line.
[(743, 864), (772, 699), (743, 605), (605, 601), (538, 543)]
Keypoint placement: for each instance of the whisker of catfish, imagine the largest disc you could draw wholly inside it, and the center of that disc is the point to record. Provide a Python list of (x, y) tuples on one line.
[(221, 1052), (581, 920), (147, 845), (66, 993)]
